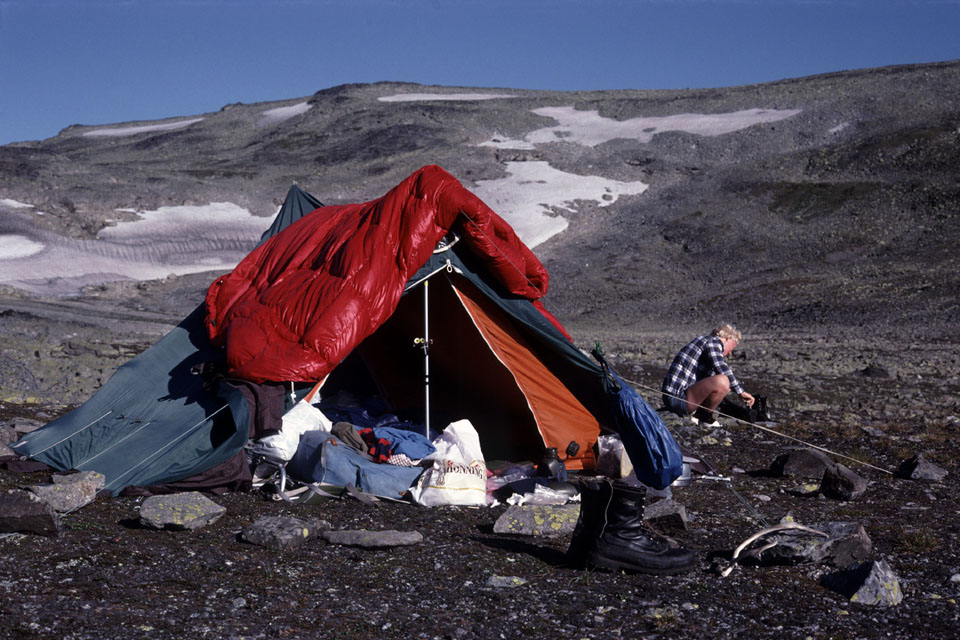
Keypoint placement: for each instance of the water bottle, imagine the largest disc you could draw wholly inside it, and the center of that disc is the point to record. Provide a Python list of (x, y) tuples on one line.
[(551, 466)]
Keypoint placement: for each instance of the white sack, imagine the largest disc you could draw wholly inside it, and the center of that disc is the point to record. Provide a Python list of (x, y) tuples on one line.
[(458, 473)]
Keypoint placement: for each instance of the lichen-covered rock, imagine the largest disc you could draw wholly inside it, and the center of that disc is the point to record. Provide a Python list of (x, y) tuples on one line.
[(806, 489), (870, 583), (182, 511), (283, 532), (538, 520)]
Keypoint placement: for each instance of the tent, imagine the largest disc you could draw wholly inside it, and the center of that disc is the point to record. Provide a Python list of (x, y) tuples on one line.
[(423, 297)]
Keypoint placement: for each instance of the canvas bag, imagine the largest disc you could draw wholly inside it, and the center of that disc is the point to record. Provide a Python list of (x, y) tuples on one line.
[(457, 474)]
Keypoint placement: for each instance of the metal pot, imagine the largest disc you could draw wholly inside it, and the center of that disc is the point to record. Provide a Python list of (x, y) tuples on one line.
[(685, 477)]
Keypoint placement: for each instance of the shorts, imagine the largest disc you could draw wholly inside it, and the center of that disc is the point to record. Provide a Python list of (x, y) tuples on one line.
[(676, 405)]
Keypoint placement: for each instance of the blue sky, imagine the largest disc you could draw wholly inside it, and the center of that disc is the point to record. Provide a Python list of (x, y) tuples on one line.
[(108, 61)]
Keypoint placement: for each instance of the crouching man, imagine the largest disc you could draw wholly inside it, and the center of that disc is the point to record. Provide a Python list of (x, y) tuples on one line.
[(699, 377)]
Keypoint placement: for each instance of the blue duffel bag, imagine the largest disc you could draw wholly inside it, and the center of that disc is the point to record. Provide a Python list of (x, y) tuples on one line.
[(653, 451)]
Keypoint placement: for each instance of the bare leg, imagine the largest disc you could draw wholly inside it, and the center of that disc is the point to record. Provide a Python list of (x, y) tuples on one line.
[(708, 394)]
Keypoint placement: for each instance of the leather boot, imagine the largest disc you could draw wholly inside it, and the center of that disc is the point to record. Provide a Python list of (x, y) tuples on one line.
[(624, 541), (594, 496)]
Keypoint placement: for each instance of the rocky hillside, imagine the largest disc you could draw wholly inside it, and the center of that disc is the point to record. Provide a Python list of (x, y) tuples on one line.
[(841, 213)]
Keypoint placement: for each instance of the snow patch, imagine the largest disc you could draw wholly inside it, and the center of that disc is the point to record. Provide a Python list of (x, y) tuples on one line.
[(184, 221), (167, 241), (274, 116), (13, 204), (589, 128), (840, 127), (415, 97), (531, 194), (129, 131), (16, 246)]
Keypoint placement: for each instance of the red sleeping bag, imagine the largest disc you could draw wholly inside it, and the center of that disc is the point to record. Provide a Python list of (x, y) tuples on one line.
[(300, 303)]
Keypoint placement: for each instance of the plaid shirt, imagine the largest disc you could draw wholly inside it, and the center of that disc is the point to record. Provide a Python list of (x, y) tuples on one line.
[(700, 359)]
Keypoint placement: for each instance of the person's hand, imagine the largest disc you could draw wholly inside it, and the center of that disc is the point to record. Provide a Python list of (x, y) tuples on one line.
[(746, 397)]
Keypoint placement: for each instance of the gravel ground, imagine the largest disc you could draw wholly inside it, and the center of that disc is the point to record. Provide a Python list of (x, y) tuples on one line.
[(107, 577)]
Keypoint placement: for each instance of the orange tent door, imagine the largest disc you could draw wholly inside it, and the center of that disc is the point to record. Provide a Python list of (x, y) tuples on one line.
[(559, 415)]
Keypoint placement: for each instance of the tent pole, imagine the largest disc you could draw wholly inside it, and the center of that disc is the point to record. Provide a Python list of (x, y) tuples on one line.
[(426, 358)]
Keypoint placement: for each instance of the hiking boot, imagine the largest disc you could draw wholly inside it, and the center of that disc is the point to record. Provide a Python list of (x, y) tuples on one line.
[(594, 495), (611, 534)]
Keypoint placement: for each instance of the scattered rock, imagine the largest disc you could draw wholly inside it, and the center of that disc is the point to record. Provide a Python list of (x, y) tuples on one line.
[(875, 371), (845, 543), (843, 484), (873, 431), (802, 463), (667, 515), (870, 583), (919, 468), (538, 520), (24, 512), (7, 436), (505, 581), (70, 492), (283, 532), (181, 511), (25, 425), (807, 489), (373, 539)]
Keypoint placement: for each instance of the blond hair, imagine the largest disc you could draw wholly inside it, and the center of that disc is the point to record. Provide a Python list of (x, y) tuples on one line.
[(727, 332)]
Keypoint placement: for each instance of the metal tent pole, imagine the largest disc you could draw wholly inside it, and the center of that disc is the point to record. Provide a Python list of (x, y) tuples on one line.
[(426, 357)]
